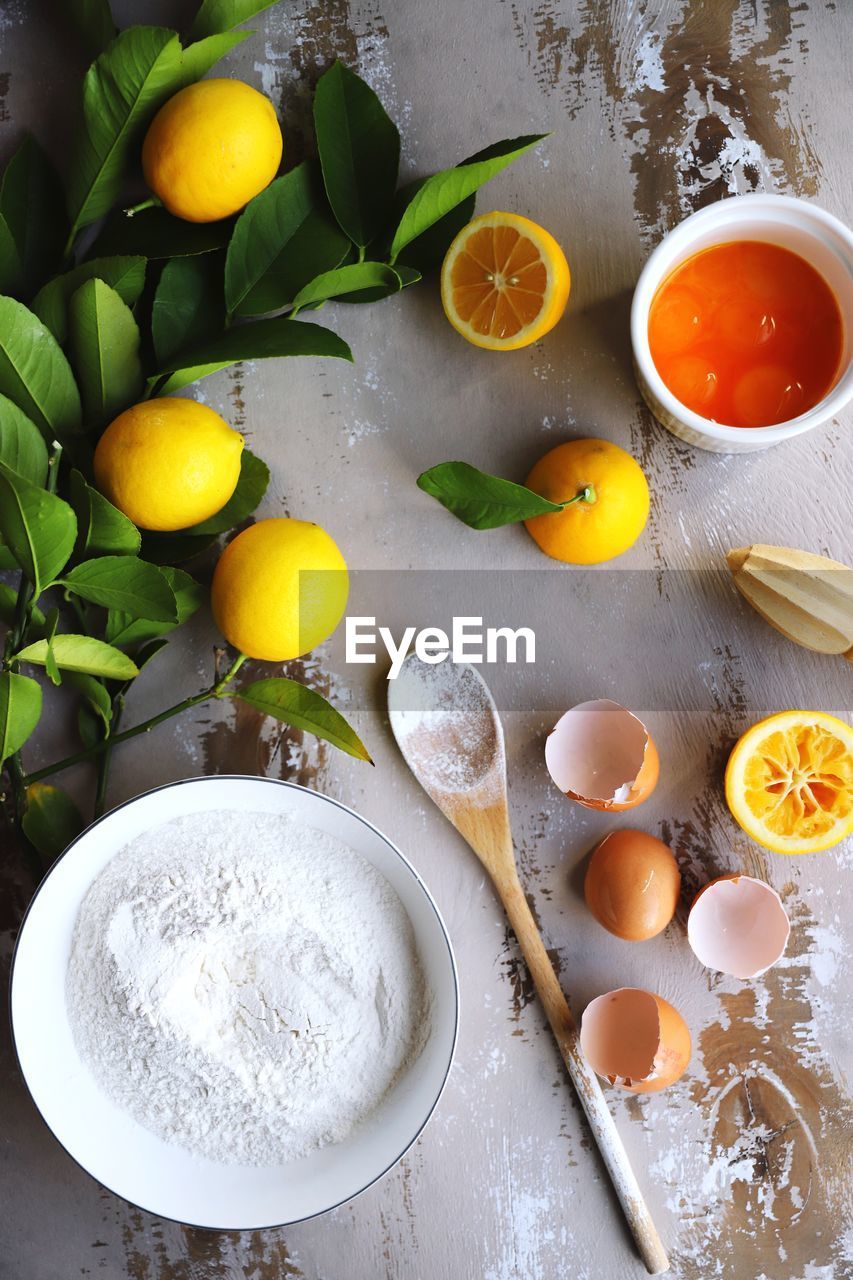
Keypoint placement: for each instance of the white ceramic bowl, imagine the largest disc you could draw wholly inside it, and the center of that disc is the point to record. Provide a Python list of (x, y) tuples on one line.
[(128, 1159), (815, 235)]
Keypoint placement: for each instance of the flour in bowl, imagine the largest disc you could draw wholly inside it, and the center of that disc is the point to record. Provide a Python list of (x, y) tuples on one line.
[(245, 986)]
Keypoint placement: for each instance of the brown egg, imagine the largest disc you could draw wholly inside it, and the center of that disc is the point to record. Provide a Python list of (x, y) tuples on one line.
[(632, 885), (635, 1039)]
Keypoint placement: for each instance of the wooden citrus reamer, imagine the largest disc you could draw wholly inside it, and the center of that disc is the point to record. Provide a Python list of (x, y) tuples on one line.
[(480, 814), (806, 597)]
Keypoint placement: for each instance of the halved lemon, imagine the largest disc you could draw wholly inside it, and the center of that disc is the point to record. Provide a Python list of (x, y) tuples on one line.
[(504, 282), (789, 781)]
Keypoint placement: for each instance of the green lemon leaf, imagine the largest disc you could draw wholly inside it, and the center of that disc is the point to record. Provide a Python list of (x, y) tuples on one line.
[(441, 193), (480, 500), (104, 341), (251, 487), (101, 528), (174, 548), (95, 22), (20, 709), (181, 378), (52, 820), (144, 655), (7, 560), (8, 601), (197, 59), (34, 372), (403, 277), (295, 704), (127, 632), (222, 15), (38, 528), (121, 92), (154, 233), (125, 583), (125, 274), (188, 307), (82, 653), (189, 594), (352, 279), (95, 695), (89, 726), (281, 241), (261, 340), (51, 623), (32, 220), (359, 150), (408, 275), (427, 251), (22, 445), (50, 666)]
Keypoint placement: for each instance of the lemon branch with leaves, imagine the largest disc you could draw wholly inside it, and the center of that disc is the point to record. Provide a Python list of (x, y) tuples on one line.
[(101, 313)]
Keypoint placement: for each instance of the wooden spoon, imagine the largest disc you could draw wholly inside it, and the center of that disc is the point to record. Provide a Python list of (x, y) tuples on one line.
[(448, 728)]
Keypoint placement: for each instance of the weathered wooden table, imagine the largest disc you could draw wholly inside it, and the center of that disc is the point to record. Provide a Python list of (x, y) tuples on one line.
[(655, 110)]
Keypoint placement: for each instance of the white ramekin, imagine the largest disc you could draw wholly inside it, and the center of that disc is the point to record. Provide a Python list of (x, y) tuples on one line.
[(815, 235)]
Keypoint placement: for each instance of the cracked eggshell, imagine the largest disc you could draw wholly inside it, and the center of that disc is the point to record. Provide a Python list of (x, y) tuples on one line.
[(635, 1039), (737, 925), (602, 756)]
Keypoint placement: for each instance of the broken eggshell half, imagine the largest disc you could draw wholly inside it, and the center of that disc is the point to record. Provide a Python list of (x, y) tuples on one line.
[(635, 1039), (602, 755), (737, 925)]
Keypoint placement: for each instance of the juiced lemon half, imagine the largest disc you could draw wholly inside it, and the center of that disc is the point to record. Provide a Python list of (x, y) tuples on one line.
[(789, 781)]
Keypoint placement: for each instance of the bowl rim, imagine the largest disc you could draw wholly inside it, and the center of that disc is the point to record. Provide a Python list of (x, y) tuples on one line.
[(652, 276), (295, 786)]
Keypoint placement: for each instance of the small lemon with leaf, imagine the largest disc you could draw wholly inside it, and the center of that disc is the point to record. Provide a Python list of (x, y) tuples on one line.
[(585, 501)]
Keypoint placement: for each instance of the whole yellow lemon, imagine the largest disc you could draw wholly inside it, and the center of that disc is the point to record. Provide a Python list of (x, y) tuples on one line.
[(612, 501), (279, 589), (168, 463), (211, 148)]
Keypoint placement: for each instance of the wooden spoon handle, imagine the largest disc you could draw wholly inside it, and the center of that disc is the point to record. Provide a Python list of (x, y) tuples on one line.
[(583, 1077)]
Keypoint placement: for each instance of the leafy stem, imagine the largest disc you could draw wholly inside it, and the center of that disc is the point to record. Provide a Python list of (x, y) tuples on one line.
[(106, 756), (151, 203), (586, 494), (53, 466), (23, 603), (68, 248), (16, 637), (26, 600), (216, 690), (155, 386)]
